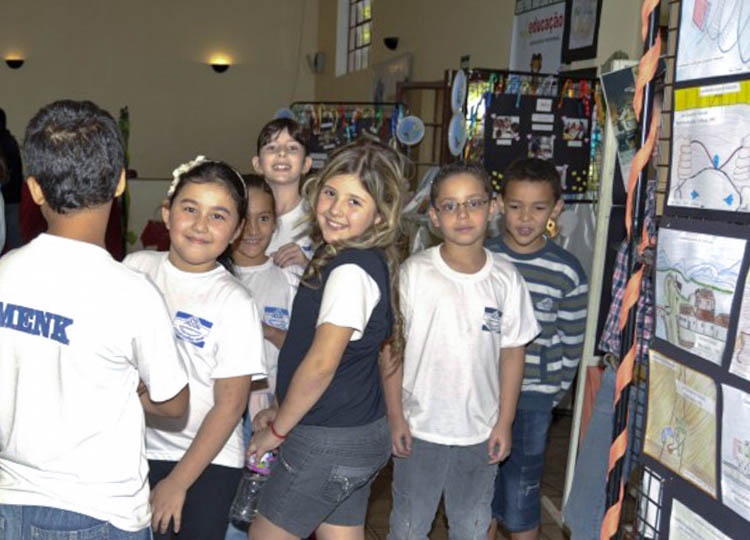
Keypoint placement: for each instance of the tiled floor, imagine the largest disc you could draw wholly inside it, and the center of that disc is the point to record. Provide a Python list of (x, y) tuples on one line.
[(552, 488)]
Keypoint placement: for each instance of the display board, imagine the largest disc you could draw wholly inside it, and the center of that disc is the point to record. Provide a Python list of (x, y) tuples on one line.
[(331, 125), (696, 437)]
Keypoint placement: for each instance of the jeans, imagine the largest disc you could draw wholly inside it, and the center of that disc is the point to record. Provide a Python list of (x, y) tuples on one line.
[(517, 500), (462, 474), (584, 510), (43, 523)]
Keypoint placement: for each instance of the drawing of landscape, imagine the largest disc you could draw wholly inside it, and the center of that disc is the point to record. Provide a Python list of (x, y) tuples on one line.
[(696, 275), (714, 39), (681, 421), (711, 158)]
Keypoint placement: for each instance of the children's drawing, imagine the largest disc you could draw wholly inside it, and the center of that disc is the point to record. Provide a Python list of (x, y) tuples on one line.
[(714, 39), (696, 275), (740, 364), (681, 421), (735, 450), (711, 150)]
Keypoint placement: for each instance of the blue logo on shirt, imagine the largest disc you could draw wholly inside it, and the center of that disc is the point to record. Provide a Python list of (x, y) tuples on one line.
[(191, 328), (492, 317), (35, 322), (277, 317)]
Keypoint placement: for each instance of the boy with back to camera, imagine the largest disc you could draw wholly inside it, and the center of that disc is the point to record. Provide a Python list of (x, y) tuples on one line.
[(85, 346), (530, 200), (467, 316), (283, 161)]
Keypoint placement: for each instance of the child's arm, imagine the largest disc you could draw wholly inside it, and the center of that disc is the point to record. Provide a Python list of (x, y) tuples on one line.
[(393, 377), (310, 380), (290, 254), (173, 407), (275, 335), (571, 326), (511, 377), (168, 496)]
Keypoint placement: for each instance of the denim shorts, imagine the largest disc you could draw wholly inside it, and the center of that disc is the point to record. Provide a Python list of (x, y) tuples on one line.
[(45, 523), (517, 500), (323, 475)]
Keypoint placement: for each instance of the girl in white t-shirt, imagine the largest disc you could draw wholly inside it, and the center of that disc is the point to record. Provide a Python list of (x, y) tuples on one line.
[(196, 461), (273, 287)]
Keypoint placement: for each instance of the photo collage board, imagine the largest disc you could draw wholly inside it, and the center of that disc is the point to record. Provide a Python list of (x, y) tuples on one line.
[(697, 429), (329, 126)]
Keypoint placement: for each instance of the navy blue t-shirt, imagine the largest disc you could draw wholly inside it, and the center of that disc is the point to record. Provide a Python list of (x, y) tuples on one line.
[(355, 395)]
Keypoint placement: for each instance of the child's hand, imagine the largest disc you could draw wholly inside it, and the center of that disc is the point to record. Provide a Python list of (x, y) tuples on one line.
[(290, 254), (167, 499), (263, 441), (263, 418), (500, 443), (400, 437)]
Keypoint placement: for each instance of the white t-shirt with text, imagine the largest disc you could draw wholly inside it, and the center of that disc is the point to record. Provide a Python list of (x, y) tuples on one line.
[(77, 332), (273, 290)]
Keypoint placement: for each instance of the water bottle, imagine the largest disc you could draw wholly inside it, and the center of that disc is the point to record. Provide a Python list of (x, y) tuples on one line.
[(245, 504)]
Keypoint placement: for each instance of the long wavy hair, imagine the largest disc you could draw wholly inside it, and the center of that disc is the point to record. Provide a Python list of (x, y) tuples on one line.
[(381, 171)]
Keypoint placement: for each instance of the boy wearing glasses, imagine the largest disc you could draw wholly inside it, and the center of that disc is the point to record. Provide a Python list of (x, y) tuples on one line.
[(530, 200), (467, 317), (282, 160)]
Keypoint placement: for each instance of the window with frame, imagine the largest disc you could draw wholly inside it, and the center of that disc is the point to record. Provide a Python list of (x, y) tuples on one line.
[(360, 35)]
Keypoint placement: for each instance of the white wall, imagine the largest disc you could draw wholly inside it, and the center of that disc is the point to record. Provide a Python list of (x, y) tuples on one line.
[(151, 55)]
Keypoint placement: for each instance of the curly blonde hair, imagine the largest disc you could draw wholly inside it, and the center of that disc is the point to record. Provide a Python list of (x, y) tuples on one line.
[(381, 171)]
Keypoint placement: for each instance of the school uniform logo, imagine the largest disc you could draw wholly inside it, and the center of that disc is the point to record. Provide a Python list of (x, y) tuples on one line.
[(191, 328), (277, 317), (492, 318)]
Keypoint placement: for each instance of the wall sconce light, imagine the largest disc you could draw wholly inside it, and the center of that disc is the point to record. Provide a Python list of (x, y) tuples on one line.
[(220, 62), (391, 42), (14, 63)]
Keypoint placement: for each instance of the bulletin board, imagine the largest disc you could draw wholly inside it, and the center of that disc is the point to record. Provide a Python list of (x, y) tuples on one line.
[(329, 125), (696, 434)]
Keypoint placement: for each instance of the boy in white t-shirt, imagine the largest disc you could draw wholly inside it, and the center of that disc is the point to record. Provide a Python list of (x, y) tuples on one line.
[(78, 333), (467, 317), (283, 161)]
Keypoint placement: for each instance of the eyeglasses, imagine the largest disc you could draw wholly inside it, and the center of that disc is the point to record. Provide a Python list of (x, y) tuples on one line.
[(290, 149), (451, 207)]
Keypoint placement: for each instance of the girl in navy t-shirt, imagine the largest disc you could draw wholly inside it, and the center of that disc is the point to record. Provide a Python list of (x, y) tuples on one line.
[(330, 425)]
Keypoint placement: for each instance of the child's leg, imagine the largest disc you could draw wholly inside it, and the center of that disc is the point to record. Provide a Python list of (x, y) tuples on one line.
[(469, 486), (418, 483), (517, 500), (339, 532)]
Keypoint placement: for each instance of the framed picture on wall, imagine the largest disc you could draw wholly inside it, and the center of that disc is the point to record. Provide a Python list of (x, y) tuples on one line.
[(387, 75), (581, 31)]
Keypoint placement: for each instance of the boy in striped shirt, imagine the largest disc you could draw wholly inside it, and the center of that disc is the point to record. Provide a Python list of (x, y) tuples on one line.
[(530, 198)]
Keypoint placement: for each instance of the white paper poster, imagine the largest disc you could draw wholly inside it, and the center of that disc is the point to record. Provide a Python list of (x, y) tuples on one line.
[(696, 275), (711, 147), (735, 451), (537, 36), (684, 524), (740, 364), (714, 39)]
